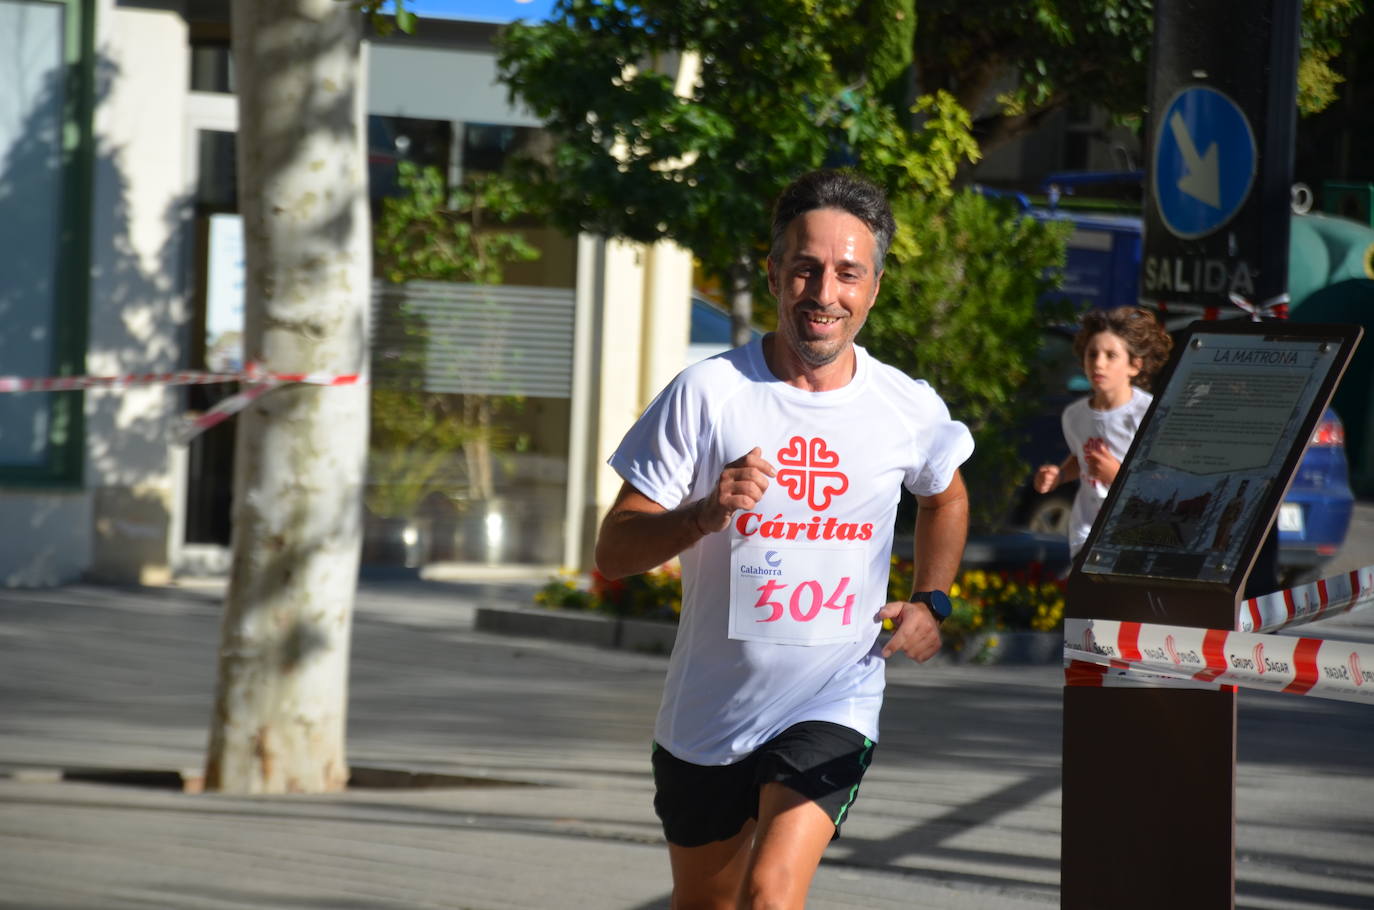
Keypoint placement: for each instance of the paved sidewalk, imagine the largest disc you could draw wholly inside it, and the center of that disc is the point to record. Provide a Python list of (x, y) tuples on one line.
[(960, 811)]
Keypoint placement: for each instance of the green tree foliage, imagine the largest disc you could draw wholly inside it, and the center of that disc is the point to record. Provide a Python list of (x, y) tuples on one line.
[(787, 85), (784, 86), (1325, 25), (892, 40), (1012, 64), (958, 309), (432, 232)]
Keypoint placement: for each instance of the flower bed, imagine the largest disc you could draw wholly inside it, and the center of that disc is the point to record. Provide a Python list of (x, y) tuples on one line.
[(989, 605), (656, 594)]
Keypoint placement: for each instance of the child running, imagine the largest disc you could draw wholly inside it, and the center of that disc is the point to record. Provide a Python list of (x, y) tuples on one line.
[(1121, 350)]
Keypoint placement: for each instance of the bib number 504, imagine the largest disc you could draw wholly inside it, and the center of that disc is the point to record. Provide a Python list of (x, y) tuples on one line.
[(805, 602)]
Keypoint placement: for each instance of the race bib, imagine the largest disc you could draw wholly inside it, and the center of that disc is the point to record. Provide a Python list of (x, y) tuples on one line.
[(796, 595)]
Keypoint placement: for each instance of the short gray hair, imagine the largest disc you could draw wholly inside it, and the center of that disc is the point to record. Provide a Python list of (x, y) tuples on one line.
[(834, 190)]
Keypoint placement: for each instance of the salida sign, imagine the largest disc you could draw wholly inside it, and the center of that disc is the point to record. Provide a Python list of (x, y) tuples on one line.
[(1221, 159)]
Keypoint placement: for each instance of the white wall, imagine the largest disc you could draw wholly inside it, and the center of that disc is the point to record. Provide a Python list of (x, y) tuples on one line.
[(618, 360), (439, 85), (45, 539), (667, 316), (642, 331), (138, 307)]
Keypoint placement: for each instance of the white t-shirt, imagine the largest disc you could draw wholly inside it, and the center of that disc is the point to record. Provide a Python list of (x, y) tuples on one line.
[(779, 611), (1117, 427)]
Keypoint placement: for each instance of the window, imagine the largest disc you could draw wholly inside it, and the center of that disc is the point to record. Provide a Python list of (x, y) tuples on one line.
[(212, 66), (486, 147), (217, 173), (45, 146), (391, 140)]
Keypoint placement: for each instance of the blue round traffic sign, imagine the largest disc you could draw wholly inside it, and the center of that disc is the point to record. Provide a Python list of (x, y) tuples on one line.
[(1204, 161)]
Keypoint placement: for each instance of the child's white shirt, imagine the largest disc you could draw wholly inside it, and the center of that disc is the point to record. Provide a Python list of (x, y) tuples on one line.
[(1117, 427)]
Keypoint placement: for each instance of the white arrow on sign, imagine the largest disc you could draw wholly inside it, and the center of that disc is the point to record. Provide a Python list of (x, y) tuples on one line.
[(1202, 181)]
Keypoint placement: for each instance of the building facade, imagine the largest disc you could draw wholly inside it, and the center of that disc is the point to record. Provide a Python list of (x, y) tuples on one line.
[(118, 199)]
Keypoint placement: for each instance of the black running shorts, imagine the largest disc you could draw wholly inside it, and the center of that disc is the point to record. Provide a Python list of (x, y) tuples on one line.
[(699, 804)]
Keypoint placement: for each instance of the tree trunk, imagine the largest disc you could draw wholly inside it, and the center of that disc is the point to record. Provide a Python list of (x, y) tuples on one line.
[(281, 694), (741, 301), (477, 447)]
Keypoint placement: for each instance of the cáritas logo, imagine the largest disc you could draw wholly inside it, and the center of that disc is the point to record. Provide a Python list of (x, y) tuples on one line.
[(779, 528), (810, 472)]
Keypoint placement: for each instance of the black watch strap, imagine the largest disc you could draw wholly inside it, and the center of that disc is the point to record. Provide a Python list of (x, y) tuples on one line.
[(936, 601)]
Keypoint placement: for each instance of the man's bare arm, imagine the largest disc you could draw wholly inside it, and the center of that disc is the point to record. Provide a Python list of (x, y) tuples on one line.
[(638, 534), (941, 531)]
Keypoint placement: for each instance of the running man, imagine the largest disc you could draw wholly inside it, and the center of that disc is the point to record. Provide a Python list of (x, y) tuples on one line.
[(773, 470)]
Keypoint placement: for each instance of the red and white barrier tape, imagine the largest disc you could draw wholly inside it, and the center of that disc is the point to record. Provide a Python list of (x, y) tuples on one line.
[(329, 379), (1119, 674), (1274, 307), (1301, 666), (1308, 603), (256, 381), (256, 387), (251, 373), (193, 425), (71, 383)]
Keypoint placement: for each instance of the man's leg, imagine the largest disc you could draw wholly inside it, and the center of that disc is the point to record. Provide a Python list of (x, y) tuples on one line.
[(798, 787), (709, 877), (792, 833), (710, 808)]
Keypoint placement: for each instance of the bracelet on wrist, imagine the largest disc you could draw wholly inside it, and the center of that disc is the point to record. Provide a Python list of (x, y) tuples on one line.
[(696, 517)]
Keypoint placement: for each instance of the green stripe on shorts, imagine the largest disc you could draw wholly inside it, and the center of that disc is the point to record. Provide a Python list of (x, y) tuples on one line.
[(864, 758)]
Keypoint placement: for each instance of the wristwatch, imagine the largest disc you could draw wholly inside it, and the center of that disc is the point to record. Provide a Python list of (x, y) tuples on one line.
[(936, 601)]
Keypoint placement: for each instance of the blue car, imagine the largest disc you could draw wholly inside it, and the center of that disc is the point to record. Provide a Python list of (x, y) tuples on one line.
[(1315, 515)]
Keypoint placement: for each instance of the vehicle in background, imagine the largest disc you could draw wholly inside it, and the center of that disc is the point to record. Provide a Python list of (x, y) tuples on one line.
[(1103, 252), (1314, 517), (709, 330)]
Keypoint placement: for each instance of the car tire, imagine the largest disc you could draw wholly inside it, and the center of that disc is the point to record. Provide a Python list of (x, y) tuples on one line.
[(1050, 516)]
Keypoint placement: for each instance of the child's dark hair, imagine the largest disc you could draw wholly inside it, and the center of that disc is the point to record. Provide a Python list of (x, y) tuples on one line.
[(1145, 338)]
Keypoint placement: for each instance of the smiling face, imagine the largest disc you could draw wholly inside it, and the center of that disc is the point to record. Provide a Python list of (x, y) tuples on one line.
[(825, 283), (1109, 366)]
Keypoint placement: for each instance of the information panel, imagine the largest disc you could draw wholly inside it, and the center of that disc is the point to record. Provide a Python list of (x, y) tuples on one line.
[(1206, 460)]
